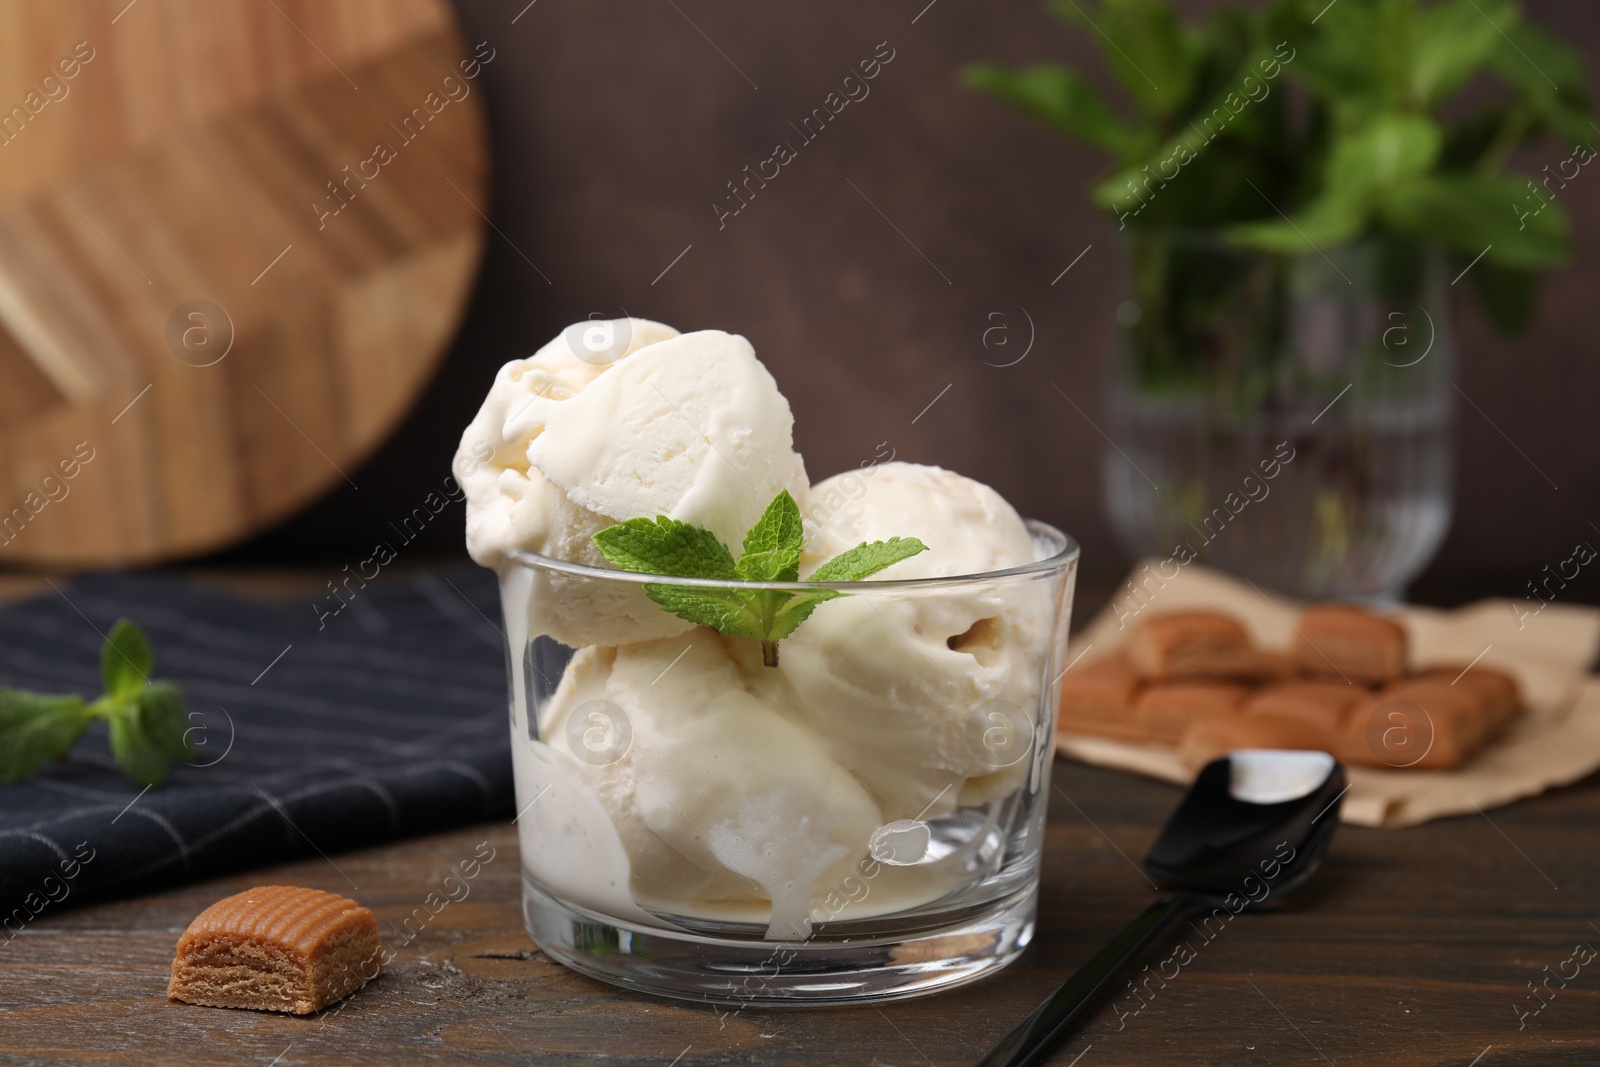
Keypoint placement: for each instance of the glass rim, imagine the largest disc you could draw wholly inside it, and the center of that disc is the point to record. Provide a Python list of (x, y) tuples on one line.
[(1066, 554)]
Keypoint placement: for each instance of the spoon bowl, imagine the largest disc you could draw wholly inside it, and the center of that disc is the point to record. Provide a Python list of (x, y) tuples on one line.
[(1220, 835)]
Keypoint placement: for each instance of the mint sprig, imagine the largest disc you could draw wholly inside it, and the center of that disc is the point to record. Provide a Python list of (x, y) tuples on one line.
[(771, 554), (146, 718)]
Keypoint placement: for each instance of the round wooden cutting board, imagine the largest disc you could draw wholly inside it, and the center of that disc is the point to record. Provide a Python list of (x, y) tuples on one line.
[(235, 238)]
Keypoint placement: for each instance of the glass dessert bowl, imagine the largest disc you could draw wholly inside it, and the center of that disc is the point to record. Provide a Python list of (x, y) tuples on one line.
[(861, 820), (744, 772)]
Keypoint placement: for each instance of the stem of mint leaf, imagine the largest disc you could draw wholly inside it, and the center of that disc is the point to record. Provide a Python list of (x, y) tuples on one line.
[(771, 553), (146, 719)]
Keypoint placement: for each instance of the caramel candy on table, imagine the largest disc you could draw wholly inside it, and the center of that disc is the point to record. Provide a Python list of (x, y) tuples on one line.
[(1165, 711), (1097, 699), (1497, 689), (1339, 641), (1198, 645), (277, 948), (1423, 725), (1216, 734), (1322, 703)]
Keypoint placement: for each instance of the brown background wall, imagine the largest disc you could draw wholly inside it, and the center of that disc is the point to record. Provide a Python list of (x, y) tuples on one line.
[(617, 125)]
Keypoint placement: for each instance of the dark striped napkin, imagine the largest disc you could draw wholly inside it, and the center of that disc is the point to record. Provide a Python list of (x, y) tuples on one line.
[(314, 733)]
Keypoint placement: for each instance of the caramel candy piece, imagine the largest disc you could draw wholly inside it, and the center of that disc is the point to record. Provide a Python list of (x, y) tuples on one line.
[(1343, 642), (1423, 725), (1497, 689), (1097, 699), (1216, 735), (1271, 667), (1320, 703), (941, 949), (277, 948), (1198, 645), (1165, 711), (1465, 707)]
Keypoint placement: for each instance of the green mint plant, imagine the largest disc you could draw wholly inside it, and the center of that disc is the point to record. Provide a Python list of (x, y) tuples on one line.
[(1300, 126), (771, 554), (146, 718)]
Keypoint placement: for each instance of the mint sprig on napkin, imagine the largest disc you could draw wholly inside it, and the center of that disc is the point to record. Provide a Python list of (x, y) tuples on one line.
[(146, 718), (771, 554)]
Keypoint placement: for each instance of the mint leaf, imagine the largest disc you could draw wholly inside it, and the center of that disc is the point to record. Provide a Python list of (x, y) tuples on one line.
[(666, 546), (866, 559), (1467, 212), (140, 758), (771, 553), (772, 547), (1063, 98), (147, 732), (125, 660), (148, 727), (1453, 40), (722, 610), (1144, 36), (852, 566), (1386, 150), (798, 610), (161, 708), (35, 729)]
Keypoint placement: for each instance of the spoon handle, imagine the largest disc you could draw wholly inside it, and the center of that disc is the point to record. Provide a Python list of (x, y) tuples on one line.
[(1033, 1037)]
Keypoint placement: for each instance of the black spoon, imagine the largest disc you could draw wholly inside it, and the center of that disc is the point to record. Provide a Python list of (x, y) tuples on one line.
[(1254, 824)]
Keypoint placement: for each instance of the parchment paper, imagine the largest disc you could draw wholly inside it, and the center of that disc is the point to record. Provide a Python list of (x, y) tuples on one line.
[(1550, 655)]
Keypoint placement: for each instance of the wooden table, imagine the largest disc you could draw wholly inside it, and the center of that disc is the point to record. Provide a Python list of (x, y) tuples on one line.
[(1411, 947)]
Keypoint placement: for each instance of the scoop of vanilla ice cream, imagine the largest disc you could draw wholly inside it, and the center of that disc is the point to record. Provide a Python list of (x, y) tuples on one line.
[(510, 505), (968, 527), (693, 428), (721, 801), (613, 421), (915, 691)]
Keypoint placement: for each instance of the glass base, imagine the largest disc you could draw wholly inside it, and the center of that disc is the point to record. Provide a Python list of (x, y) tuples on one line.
[(823, 970)]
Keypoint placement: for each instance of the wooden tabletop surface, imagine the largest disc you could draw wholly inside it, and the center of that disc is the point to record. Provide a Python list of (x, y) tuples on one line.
[(1411, 947)]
